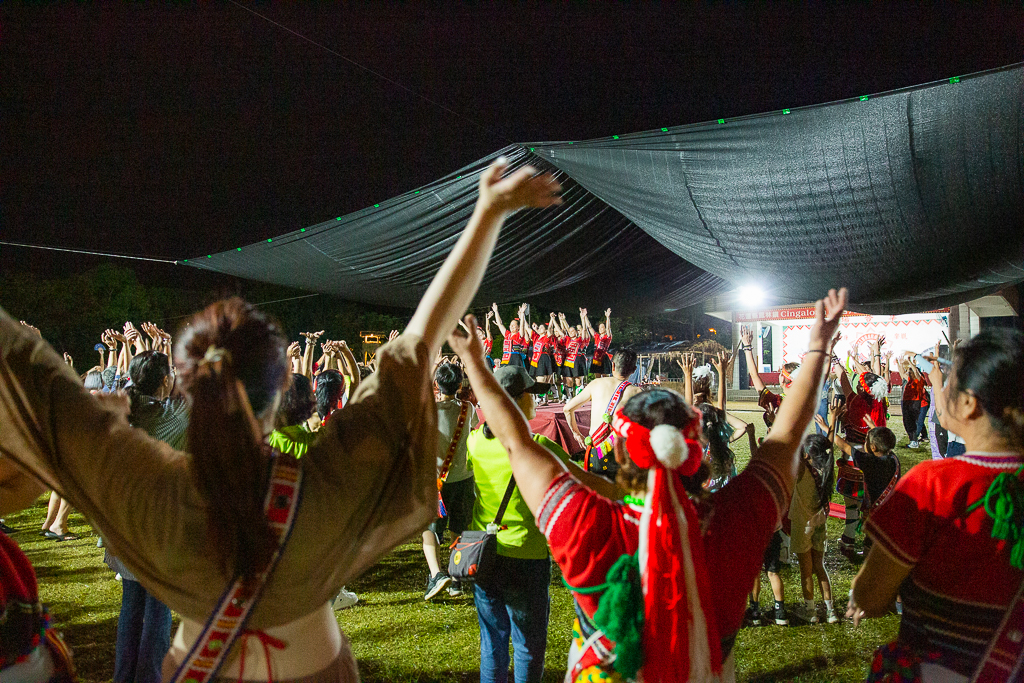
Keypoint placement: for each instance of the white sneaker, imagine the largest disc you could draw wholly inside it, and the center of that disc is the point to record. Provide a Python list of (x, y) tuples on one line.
[(833, 618), (913, 445), (345, 599)]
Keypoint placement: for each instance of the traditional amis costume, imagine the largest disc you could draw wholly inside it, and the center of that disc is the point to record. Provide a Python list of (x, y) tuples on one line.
[(513, 349), (602, 363), (660, 588), (956, 524), (541, 361)]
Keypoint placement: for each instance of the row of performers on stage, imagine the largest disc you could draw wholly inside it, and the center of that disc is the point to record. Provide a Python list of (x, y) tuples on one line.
[(554, 353)]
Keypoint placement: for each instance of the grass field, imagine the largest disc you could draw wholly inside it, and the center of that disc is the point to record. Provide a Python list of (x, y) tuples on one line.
[(396, 636)]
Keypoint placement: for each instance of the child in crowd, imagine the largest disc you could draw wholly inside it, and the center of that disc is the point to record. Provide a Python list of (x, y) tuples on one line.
[(877, 460), (808, 513)]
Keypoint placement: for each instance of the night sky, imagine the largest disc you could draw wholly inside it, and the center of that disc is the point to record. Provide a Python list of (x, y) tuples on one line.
[(171, 131)]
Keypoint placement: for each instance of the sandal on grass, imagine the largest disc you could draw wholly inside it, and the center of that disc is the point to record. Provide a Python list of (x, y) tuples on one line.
[(66, 537), (49, 534)]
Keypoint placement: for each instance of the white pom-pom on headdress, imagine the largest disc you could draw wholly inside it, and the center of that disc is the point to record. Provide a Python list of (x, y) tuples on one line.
[(701, 371), (669, 446), (880, 389)]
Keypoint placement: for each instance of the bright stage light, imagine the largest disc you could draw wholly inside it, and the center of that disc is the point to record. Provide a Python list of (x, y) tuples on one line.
[(750, 296)]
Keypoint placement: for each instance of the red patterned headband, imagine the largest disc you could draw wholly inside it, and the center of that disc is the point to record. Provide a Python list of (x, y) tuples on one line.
[(675, 448)]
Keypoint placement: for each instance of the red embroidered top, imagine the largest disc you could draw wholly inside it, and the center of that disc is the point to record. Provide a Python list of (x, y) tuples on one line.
[(961, 581), (540, 345), (587, 533), (513, 342), (601, 344), (558, 347)]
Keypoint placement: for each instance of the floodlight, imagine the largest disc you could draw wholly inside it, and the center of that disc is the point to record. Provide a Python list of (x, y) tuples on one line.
[(750, 296)]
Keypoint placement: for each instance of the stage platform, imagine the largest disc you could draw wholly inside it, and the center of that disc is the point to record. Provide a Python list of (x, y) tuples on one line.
[(552, 423)]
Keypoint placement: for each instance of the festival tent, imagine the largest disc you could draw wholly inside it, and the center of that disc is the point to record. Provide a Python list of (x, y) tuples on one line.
[(914, 199)]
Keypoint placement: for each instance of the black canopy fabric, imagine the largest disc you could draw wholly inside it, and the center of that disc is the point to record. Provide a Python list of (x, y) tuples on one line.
[(913, 199)]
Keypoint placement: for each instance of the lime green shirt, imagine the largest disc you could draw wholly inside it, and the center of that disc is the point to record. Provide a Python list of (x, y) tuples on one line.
[(492, 471), (295, 439)]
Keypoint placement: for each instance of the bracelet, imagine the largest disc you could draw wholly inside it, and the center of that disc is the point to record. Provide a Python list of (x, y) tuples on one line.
[(814, 351)]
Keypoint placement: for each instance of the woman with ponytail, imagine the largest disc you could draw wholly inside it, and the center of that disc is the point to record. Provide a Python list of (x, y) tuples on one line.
[(189, 525), (949, 538), (660, 583)]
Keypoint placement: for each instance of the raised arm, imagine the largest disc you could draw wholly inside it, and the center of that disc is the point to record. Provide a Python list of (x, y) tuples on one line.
[(876, 355), (844, 383), (533, 466), (747, 346), (780, 446), (585, 322), (455, 285), (350, 361), (721, 361), (294, 354), (497, 320), (608, 322), (687, 362), (309, 351), (487, 326)]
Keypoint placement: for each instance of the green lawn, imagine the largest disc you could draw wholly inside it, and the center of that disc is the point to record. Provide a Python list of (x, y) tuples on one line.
[(396, 636)]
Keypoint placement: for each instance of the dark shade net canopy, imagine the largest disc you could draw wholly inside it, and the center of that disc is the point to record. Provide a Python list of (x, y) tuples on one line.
[(913, 199)]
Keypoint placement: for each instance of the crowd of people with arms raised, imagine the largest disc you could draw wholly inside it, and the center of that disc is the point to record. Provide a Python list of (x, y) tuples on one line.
[(241, 480)]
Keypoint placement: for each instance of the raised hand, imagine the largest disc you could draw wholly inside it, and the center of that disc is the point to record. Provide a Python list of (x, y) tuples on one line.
[(827, 313), (468, 346), (522, 188), (746, 336), (721, 362), (294, 351), (68, 359), (490, 314), (393, 336), (607, 312)]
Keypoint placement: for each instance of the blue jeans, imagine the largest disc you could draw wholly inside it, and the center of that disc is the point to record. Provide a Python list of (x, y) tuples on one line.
[(143, 636), (955, 448), (517, 605), (823, 411)]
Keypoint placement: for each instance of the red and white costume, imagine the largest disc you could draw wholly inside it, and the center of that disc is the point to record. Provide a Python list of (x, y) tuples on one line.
[(587, 533), (961, 580)]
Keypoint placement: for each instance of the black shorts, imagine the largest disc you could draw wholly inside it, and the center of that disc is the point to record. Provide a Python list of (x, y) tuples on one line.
[(459, 498), (601, 367), (772, 559)]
